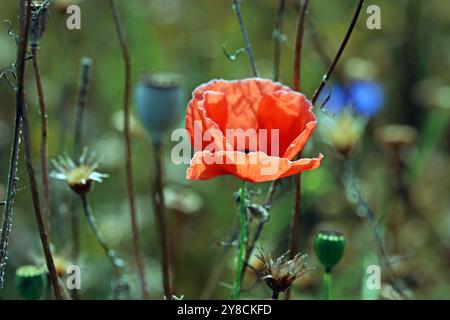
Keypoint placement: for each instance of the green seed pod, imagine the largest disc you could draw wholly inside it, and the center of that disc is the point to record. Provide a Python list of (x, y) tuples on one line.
[(329, 247), (159, 100), (31, 282)]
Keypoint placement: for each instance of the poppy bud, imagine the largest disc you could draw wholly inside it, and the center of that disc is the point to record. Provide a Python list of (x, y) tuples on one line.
[(329, 247), (159, 100), (31, 282), (39, 20)]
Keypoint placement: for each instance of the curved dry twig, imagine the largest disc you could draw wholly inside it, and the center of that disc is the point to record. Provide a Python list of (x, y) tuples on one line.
[(128, 151)]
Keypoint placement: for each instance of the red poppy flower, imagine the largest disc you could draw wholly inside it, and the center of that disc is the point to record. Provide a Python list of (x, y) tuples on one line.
[(251, 128)]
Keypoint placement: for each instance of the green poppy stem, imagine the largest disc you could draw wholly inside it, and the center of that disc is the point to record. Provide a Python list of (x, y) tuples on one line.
[(327, 285), (242, 243)]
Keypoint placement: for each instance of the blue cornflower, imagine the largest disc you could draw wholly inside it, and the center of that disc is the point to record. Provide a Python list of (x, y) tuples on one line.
[(365, 97)]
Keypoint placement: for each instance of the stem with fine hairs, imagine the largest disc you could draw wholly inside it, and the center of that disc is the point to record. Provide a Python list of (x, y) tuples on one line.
[(24, 23), (241, 255), (278, 35), (160, 218), (293, 242), (44, 130), (37, 207), (248, 47), (341, 49), (128, 151)]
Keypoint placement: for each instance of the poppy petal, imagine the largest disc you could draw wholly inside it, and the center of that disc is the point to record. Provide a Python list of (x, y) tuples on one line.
[(290, 113), (197, 123), (240, 99), (297, 145), (253, 167), (234, 124)]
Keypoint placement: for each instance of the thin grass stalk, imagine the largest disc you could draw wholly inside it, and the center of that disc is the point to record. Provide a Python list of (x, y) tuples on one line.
[(248, 47), (21, 118), (128, 150), (339, 53), (294, 235), (317, 44), (361, 204), (160, 218), (116, 263), (37, 207), (44, 132), (278, 36)]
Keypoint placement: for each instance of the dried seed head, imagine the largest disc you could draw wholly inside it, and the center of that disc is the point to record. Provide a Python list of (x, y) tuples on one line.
[(279, 274), (62, 5), (39, 20), (396, 136), (61, 265), (80, 177)]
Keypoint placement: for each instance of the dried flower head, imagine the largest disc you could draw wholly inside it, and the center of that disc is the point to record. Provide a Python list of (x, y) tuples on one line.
[(282, 272), (343, 131), (61, 265), (39, 20), (79, 176), (62, 5), (396, 136)]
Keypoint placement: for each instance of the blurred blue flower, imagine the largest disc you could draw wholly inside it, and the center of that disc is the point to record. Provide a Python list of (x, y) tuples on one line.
[(159, 100), (365, 97)]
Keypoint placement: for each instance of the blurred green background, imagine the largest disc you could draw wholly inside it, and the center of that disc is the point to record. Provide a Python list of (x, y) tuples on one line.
[(409, 57)]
